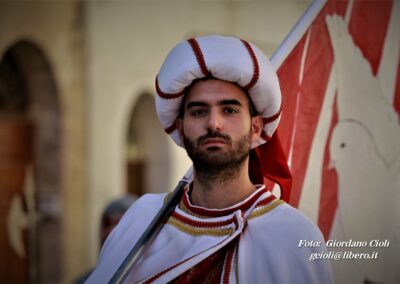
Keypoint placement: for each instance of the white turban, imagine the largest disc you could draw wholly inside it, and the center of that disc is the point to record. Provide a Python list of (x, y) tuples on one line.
[(225, 58)]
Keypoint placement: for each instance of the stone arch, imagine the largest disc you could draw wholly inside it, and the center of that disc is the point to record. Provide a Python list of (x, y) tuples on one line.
[(148, 155), (30, 116)]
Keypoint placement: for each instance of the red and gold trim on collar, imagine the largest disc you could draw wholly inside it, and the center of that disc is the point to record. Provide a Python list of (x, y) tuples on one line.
[(265, 206), (202, 212), (200, 228), (198, 221)]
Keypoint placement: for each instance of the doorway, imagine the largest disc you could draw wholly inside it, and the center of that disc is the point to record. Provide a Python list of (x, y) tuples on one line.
[(30, 177)]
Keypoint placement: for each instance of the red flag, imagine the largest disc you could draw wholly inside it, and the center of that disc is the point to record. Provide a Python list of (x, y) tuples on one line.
[(340, 80)]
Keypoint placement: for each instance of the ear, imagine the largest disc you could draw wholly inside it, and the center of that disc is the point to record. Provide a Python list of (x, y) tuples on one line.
[(256, 128)]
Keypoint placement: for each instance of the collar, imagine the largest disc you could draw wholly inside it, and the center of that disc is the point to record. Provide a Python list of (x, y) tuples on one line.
[(204, 212), (198, 221)]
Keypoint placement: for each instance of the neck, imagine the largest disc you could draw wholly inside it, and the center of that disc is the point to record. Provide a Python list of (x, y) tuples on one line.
[(222, 188)]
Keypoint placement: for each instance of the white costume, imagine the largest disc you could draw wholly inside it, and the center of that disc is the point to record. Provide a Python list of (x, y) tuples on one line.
[(255, 241), (264, 234)]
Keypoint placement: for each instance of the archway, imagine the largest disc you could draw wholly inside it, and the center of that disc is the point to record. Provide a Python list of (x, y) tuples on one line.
[(148, 158), (29, 167)]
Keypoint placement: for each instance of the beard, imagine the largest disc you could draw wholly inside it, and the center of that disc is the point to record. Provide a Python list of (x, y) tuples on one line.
[(214, 162)]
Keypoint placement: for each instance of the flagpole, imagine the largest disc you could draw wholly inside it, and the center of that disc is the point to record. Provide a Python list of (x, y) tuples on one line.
[(152, 230), (162, 216), (297, 32)]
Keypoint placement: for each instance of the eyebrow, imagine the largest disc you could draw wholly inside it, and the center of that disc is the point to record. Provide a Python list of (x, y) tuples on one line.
[(220, 103)]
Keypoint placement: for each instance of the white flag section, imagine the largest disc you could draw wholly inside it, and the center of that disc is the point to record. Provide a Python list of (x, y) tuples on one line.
[(339, 74)]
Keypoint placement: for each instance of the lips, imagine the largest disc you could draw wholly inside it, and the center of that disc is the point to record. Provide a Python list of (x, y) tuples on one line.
[(214, 138), (214, 141)]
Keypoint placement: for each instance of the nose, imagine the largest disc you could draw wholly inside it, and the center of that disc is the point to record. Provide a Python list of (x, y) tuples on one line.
[(214, 120)]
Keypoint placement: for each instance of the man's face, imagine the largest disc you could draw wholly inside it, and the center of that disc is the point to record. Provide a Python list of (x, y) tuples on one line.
[(216, 127)]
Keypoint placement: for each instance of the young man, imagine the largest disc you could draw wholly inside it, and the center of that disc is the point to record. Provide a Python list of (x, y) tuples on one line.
[(219, 98)]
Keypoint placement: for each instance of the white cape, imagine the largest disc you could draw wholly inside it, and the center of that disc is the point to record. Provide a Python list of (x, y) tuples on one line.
[(268, 249)]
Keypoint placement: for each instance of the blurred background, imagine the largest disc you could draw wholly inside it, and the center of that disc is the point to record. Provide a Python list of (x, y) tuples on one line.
[(78, 126)]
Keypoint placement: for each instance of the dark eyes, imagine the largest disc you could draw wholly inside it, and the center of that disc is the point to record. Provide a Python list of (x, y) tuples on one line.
[(202, 112), (230, 110), (198, 112)]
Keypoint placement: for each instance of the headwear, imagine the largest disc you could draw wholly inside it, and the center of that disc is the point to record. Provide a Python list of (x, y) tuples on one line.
[(118, 206), (233, 60)]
